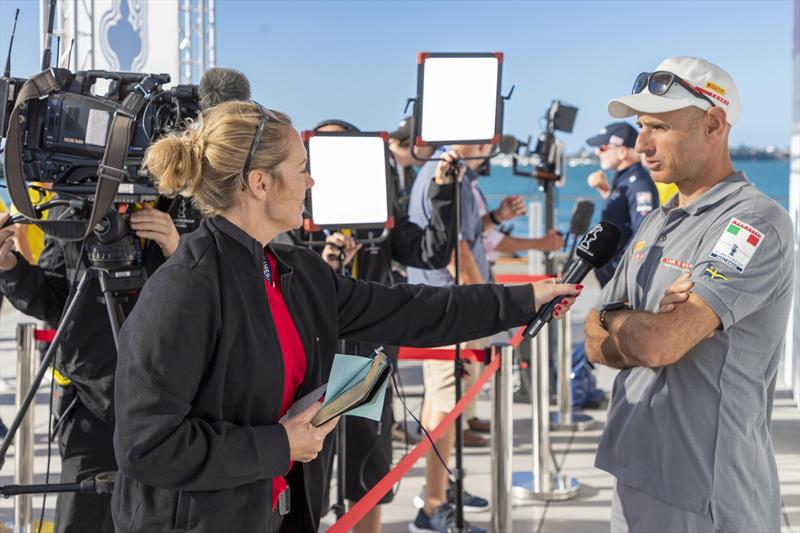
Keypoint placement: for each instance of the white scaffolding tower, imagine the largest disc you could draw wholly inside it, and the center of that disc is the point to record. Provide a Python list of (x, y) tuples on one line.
[(78, 19)]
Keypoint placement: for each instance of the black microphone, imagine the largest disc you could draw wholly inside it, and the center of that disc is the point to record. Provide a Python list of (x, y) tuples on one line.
[(222, 85), (595, 250)]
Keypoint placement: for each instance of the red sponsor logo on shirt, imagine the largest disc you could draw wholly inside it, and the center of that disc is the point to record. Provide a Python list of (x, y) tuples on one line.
[(683, 266)]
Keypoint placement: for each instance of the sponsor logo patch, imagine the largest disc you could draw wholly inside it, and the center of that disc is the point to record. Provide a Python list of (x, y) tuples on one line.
[(676, 264), (737, 244), (639, 246), (713, 274), (615, 140), (716, 88)]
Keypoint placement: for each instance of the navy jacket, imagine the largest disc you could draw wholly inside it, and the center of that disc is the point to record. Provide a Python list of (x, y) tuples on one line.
[(633, 196)]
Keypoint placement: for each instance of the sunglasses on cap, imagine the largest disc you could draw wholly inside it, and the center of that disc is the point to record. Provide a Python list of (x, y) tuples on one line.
[(266, 116), (661, 81)]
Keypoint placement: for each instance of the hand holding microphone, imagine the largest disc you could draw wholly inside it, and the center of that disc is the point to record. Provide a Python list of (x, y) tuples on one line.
[(595, 250)]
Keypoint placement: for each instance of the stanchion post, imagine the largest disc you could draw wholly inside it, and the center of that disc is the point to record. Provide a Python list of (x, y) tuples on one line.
[(543, 482), (564, 419), (540, 378), (502, 439), (23, 470)]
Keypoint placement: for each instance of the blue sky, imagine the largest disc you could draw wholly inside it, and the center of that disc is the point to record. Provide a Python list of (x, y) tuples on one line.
[(357, 60)]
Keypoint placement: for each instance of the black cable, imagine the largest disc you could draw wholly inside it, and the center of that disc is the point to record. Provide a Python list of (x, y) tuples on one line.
[(424, 430)]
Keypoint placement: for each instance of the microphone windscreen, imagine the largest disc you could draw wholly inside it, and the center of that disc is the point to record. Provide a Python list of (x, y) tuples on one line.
[(222, 85), (599, 244), (581, 217), (508, 144)]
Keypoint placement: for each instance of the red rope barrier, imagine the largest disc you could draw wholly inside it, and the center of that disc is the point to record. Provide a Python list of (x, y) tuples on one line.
[(521, 278), (371, 498), (420, 354)]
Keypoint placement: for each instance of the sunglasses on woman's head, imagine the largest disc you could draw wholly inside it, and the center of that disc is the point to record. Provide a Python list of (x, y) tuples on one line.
[(661, 81), (266, 115)]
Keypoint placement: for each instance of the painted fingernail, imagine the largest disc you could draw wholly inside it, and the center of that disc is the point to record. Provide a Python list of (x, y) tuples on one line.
[(579, 287), (564, 302), (558, 307)]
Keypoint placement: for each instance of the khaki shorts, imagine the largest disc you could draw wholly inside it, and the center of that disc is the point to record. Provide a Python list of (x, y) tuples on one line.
[(440, 381)]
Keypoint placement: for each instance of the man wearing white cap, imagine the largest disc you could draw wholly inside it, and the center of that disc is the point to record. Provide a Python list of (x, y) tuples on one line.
[(695, 317)]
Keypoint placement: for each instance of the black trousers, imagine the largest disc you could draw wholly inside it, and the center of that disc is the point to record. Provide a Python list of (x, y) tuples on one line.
[(368, 452), (86, 446)]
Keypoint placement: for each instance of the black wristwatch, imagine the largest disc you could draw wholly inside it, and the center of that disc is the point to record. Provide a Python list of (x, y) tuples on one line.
[(494, 218), (616, 306)]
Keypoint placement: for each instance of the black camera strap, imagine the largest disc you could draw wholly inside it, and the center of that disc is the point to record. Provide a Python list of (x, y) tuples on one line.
[(110, 173)]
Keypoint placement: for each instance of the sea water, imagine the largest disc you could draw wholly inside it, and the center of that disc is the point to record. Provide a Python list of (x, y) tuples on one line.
[(771, 177)]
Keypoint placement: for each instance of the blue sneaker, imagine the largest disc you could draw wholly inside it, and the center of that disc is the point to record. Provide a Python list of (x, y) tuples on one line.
[(472, 503), (442, 521)]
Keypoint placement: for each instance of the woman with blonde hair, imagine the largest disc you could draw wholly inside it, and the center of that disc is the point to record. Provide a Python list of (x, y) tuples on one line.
[(232, 329)]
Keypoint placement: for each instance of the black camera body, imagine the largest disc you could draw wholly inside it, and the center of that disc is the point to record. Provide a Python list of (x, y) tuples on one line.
[(64, 135)]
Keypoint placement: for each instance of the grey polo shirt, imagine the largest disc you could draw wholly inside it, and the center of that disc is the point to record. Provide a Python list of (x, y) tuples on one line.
[(696, 434)]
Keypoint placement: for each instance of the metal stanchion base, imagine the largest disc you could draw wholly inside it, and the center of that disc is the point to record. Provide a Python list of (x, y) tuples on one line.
[(561, 488), (580, 422)]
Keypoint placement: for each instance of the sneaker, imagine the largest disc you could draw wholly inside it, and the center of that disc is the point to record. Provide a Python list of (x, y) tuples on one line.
[(442, 521), (472, 503), (3, 430)]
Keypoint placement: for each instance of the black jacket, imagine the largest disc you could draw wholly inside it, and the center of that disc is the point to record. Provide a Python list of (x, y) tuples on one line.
[(200, 375), (86, 353)]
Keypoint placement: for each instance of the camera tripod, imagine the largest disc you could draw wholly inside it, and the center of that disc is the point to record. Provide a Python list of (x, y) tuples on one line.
[(111, 259)]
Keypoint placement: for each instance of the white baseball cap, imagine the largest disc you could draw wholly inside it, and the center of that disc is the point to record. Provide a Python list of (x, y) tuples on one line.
[(704, 77)]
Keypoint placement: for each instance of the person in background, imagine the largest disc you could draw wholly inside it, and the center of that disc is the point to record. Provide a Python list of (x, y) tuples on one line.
[(369, 443), (630, 196), (438, 376)]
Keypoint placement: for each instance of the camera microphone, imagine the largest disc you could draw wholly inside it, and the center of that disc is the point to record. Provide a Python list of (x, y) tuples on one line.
[(222, 85), (595, 250)]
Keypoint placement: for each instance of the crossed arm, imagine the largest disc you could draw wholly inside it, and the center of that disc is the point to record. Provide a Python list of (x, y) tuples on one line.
[(641, 338)]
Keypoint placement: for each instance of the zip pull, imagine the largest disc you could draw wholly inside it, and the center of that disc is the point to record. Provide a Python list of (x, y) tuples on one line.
[(375, 352)]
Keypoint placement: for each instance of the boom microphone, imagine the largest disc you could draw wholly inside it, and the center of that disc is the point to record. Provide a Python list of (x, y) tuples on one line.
[(595, 250), (222, 85)]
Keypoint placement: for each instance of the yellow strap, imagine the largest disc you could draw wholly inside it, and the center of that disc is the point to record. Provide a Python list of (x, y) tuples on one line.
[(61, 379), (354, 269)]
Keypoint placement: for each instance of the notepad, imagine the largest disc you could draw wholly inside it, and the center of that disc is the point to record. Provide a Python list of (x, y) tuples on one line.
[(356, 387)]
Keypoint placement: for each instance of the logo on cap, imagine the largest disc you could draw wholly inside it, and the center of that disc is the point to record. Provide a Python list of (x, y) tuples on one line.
[(716, 88)]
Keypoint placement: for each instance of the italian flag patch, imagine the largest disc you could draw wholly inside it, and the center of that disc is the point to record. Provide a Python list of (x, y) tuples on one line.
[(738, 243)]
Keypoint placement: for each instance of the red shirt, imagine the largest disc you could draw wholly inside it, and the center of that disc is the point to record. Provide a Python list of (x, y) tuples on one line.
[(294, 357)]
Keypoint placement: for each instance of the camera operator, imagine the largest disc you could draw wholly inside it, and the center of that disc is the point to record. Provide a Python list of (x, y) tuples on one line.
[(199, 439), (369, 443), (86, 357)]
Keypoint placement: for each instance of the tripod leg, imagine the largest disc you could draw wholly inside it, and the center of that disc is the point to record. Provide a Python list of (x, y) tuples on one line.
[(43, 366), (115, 315)]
